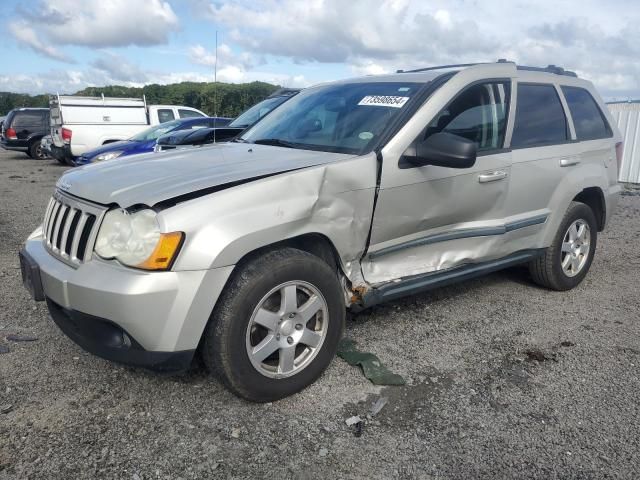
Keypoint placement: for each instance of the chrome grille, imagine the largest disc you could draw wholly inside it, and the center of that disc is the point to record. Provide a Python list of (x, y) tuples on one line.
[(70, 228)]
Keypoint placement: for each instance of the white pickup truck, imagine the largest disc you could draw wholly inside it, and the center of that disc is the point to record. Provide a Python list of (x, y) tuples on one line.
[(79, 124)]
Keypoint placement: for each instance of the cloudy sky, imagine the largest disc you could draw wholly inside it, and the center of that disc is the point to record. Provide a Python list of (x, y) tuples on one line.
[(65, 45)]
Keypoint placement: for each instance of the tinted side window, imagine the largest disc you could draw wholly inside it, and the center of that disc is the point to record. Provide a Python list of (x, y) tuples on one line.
[(540, 119), (587, 117), (165, 115), (479, 113), (188, 113)]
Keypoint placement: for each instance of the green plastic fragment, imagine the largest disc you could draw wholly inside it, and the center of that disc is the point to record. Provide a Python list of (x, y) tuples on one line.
[(371, 365)]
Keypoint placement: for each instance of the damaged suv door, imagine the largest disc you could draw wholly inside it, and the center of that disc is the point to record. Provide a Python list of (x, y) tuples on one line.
[(437, 213)]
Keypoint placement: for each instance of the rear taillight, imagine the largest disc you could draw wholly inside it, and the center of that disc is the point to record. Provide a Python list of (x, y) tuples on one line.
[(66, 135), (10, 133), (619, 152)]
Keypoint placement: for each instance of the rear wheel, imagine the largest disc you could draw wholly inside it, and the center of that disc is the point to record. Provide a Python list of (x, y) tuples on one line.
[(566, 262), (276, 326), (36, 151)]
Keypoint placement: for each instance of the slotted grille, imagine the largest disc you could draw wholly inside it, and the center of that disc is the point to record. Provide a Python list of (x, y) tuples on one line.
[(70, 228)]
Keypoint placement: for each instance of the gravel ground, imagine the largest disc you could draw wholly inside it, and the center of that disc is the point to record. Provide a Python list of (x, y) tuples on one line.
[(505, 380)]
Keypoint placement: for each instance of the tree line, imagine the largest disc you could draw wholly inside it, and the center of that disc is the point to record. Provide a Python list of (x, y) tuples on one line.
[(227, 100)]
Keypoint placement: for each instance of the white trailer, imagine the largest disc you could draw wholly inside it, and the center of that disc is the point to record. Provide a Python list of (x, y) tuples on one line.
[(79, 124)]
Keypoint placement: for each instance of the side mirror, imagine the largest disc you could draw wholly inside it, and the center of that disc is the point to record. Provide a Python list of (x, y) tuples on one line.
[(442, 150)]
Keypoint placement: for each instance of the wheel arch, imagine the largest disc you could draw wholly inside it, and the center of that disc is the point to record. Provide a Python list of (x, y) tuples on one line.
[(593, 197), (314, 243)]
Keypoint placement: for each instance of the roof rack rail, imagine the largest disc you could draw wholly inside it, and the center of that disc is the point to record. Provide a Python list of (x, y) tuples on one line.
[(548, 69), (455, 65)]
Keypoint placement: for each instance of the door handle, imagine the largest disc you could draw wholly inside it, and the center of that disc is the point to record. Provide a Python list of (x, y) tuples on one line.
[(569, 161), (492, 177)]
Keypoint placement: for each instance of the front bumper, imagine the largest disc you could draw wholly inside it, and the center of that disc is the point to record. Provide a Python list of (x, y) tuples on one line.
[(148, 319), (107, 340)]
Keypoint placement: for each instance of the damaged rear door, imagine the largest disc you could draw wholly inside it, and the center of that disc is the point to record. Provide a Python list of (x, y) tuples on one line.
[(431, 218)]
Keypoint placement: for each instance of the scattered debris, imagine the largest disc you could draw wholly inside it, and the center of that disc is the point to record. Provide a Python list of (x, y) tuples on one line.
[(633, 351), (4, 349), (356, 422), (323, 452), (13, 337), (377, 406), (539, 356), (567, 343), (371, 365), (353, 420), (6, 409)]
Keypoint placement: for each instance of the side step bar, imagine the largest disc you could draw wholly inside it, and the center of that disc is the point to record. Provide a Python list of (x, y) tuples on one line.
[(422, 283)]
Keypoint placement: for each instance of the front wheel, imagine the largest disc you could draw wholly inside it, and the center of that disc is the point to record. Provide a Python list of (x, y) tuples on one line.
[(566, 262), (276, 326)]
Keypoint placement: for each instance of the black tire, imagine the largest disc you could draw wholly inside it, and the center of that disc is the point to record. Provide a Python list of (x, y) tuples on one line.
[(35, 150), (224, 349), (546, 270)]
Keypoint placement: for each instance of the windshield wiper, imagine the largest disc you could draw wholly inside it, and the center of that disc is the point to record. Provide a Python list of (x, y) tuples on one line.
[(239, 140), (276, 142)]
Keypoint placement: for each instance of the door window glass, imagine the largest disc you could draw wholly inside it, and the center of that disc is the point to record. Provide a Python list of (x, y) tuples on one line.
[(540, 118), (165, 115), (478, 114), (189, 113)]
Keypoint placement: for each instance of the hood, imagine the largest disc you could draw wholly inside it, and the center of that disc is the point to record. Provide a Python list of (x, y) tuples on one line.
[(200, 135), (151, 178)]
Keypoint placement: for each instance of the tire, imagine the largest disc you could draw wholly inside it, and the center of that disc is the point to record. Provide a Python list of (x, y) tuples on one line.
[(232, 332), (547, 270), (36, 152)]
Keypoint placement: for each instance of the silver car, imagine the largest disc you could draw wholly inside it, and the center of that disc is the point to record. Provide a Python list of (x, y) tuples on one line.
[(352, 193)]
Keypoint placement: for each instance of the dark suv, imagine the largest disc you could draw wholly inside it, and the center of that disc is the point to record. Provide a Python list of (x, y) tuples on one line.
[(23, 129)]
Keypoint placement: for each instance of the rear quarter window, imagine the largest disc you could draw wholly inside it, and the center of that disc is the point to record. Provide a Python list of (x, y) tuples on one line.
[(588, 119), (540, 118), (27, 119)]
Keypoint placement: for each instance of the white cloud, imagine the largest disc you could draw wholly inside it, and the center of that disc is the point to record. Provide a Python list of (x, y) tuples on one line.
[(94, 23), (596, 40), (26, 36)]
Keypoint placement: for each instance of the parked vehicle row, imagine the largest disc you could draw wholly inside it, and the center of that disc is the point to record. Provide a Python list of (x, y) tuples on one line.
[(80, 124), (181, 138), (186, 132), (349, 194), (173, 127)]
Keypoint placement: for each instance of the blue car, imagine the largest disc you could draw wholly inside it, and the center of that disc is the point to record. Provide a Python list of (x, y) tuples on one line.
[(145, 141)]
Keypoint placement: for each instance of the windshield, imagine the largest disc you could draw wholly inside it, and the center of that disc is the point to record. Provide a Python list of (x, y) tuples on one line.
[(155, 132), (258, 111), (343, 118)]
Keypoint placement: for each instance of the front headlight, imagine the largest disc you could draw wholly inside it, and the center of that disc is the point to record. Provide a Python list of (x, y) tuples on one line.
[(107, 156), (134, 239)]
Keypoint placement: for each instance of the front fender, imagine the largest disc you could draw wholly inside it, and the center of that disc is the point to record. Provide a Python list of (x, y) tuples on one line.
[(335, 200)]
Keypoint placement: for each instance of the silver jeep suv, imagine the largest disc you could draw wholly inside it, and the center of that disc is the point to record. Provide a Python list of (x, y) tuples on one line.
[(352, 193)]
